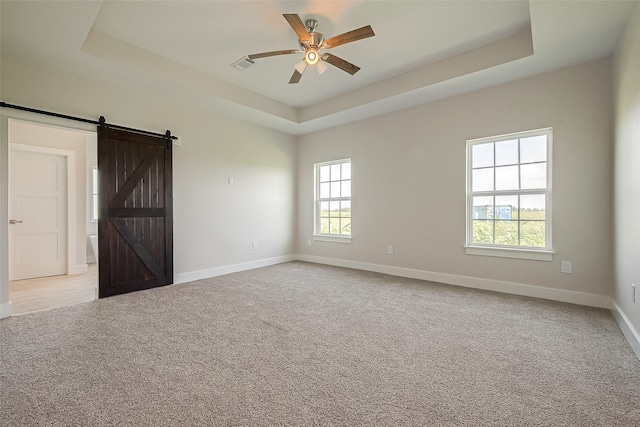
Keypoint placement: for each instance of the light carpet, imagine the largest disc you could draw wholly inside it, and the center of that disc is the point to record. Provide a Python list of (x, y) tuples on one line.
[(305, 344)]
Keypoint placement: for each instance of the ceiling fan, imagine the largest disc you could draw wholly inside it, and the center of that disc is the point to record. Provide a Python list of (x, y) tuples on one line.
[(311, 42)]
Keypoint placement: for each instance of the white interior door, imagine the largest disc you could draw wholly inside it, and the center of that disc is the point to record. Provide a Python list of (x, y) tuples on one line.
[(38, 214)]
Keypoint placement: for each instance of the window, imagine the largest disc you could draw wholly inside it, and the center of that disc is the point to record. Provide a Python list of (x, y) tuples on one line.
[(333, 200), (509, 195)]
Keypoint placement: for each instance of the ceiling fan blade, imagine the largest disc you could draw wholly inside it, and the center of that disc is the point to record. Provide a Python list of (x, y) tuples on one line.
[(298, 26), (348, 37), (272, 53), (341, 63), (295, 78)]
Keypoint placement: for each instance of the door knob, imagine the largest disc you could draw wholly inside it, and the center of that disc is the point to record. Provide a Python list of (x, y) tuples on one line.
[(14, 221)]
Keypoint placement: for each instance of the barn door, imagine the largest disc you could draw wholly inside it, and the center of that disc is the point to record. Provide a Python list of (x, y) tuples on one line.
[(135, 222)]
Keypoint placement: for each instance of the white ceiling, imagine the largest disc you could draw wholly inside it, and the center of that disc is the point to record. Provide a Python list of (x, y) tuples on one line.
[(422, 50)]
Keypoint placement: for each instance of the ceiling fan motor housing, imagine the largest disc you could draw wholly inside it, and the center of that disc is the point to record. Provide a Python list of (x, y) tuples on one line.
[(315, 39)]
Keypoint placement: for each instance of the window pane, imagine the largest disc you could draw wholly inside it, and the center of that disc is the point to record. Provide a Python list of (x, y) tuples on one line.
[(346, 209), (334, 207), (324, 209), (532, 233), (507, 178), (532, 207), (533, 149), (482, 180), (506, 233), (532, 225), (506, 207), (482, 155), (324, 190), (507, 152), (483, 231), (346, 170), (324, 173), (335, 188), (334, 225), (324, 225), (482, 207), (335, 172), (534, 175), (346, 188), (346, 225)]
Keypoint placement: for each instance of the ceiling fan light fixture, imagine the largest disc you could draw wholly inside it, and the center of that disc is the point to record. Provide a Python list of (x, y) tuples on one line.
[(321, 67), (311, 56), (301, 66)]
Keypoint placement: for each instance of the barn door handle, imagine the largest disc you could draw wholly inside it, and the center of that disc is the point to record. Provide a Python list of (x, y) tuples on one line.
[(15, 221)]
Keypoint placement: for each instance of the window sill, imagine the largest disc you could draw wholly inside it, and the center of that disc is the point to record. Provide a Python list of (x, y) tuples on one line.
[(334, 239), (536, 255)]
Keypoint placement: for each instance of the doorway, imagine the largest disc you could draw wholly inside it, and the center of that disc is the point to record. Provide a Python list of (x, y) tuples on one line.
[(38, 204), (51, 263)]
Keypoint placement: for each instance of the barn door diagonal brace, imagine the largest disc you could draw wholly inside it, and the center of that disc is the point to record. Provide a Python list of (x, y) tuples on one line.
[(137, 175), (137, 247)]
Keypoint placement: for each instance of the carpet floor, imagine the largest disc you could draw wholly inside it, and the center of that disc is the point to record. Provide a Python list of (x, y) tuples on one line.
[(305, 344)]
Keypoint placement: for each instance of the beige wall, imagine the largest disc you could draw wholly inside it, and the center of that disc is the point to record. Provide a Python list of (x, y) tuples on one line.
[(627, 174), (409, 185)]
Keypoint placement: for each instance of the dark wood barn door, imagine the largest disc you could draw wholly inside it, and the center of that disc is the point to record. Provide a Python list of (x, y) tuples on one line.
[(135, 221)]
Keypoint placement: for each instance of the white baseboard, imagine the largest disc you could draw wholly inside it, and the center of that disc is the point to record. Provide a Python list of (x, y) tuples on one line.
[(91, 259), (629, 332), (5, 310), (581, 298), (228, 269)]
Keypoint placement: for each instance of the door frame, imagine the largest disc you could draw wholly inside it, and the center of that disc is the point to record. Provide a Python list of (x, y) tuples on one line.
[(70, 156), (6, 115)]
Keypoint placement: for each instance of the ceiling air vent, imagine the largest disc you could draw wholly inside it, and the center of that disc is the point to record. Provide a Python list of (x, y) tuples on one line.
[(243, 63)]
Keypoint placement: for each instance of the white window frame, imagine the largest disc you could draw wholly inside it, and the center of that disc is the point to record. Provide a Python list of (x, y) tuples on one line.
[(507, 251), (317, 235)]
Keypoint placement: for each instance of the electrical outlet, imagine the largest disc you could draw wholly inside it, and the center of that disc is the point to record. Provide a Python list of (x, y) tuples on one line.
[(390, 250), (254, 246), (230, 180), (308, 242), (566, 267), (633, 293)]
